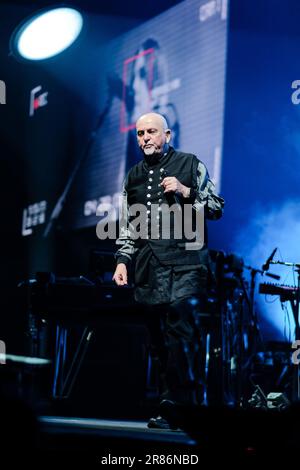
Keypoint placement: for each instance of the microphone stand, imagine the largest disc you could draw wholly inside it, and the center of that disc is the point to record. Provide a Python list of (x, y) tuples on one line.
[(295, 309), (253, 314), (254, 334)]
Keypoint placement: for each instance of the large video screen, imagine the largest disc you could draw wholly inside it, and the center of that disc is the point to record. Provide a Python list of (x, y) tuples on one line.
[(173, 64)]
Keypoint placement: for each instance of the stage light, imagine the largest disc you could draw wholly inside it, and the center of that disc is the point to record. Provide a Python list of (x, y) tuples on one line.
[(47, 33)]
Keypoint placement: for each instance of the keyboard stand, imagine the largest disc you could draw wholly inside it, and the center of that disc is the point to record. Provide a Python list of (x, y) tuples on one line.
[(64, 378)]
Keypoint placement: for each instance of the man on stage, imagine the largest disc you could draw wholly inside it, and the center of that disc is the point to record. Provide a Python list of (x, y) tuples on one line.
[(171, 267)]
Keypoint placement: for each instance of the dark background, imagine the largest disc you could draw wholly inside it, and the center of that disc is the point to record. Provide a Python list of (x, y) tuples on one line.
[(261, 161)]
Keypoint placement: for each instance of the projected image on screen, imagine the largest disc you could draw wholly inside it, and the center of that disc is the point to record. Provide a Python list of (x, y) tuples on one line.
[(173, 64)]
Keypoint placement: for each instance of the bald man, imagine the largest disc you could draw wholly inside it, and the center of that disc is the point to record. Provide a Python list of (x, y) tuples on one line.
[(170, 273)]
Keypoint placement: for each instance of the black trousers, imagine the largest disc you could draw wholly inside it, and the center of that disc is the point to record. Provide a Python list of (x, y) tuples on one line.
[(173, 297), (176, 345)]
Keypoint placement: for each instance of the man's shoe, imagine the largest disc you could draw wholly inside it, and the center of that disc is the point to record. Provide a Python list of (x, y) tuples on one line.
[(160, 423)]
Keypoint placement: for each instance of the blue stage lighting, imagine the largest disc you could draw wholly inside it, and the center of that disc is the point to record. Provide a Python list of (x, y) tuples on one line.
[(47, 33)]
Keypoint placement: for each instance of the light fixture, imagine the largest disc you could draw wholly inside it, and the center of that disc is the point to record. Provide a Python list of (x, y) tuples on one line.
[(47, 33)]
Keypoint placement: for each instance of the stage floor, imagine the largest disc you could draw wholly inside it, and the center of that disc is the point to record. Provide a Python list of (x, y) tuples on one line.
[(103, 441), (112, 428)]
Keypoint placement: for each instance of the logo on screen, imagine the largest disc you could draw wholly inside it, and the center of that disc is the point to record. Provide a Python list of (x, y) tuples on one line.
[(33, 215), (37, 100), (212, 8)]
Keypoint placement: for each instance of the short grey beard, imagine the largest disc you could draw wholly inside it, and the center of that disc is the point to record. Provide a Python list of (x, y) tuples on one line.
[(149, 151)]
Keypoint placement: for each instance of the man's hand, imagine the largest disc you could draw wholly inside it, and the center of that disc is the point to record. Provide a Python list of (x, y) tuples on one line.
[(120, 275), (170, 183)]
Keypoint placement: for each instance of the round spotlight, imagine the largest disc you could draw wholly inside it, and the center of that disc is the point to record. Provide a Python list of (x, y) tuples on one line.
[(47, 33)]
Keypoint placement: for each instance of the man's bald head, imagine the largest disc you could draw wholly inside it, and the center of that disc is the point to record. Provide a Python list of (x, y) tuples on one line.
[(152, 133), (153, 117)]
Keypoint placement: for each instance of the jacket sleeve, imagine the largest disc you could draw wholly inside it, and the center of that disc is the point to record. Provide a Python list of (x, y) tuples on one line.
[(204, 195), (127, 243)]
